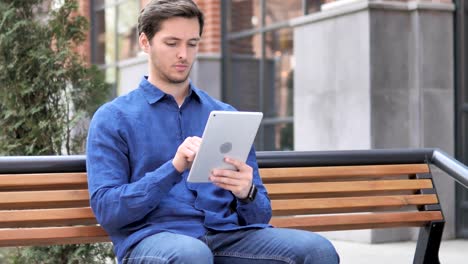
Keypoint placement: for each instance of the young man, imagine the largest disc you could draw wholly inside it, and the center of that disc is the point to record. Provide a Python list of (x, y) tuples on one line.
[(140, 148)]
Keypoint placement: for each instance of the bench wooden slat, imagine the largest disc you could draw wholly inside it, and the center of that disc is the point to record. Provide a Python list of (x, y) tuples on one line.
[(357, 221), (53, 208), (47, 217), (52, 236), (310, 173), (348, 204), (43, 199), (293, 189), (43, 180)]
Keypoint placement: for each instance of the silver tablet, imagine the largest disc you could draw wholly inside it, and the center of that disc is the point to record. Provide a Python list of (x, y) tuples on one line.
[(227, 134)]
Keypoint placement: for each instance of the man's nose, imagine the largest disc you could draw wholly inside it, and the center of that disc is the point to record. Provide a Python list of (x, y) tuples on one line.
[(182, 53)]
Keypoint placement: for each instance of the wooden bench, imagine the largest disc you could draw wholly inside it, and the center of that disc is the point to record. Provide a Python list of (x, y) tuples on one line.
[(46, 205)]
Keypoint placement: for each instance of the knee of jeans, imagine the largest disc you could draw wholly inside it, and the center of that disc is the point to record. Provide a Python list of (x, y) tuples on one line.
[(323, 249), (193, 254), (314, 248)]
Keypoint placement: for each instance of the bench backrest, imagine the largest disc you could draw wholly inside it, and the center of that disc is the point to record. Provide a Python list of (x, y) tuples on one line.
[(352, 197), (48, 208), (53, 208)]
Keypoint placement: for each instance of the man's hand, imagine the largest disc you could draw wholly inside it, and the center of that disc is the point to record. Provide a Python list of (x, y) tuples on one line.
[(186, 153), (238, 182)]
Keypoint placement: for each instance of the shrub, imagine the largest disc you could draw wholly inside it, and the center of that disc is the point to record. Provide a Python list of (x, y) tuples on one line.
[(46, 89), (47, 94)]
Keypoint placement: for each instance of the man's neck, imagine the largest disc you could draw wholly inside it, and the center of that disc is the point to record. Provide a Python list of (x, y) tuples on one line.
[(178, 90)]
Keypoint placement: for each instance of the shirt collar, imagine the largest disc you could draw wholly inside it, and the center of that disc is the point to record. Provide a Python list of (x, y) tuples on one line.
[(153, 94)]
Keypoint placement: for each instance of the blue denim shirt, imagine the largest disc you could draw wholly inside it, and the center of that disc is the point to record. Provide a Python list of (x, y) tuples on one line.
[(134, 188)]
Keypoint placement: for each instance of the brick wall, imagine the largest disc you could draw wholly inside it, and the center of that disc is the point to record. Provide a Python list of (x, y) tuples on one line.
[(241, 19), (211, 42), (85, 48)]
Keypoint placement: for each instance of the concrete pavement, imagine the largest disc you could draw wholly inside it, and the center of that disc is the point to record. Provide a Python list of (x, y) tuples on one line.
[(451, 252)]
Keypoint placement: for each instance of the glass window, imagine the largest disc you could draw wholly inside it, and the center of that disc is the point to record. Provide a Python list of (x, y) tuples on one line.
[(277, 99), (244, 75), (246, 47), (100, 26), (111, 75), (281, 11), (101, 3), (464, 219), (314, 5), (463, 123), (465, 74), (98, 3), (244, 15), (259, 76), (127, 29), (278, 136), (108, 38), (279, 65)]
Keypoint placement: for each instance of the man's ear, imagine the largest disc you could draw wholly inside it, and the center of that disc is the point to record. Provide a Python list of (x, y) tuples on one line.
[(144, 42)]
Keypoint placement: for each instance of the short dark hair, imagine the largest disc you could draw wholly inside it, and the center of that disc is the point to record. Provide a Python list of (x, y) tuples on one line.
[(157, 11)]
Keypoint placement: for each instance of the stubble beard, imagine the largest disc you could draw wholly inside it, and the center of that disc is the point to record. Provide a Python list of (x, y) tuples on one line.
[(172, 80)]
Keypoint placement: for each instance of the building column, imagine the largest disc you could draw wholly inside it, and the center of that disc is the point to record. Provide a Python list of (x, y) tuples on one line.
[(377, 74)]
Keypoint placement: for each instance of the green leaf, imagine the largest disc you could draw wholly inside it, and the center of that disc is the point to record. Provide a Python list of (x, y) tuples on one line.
[(47, 93)]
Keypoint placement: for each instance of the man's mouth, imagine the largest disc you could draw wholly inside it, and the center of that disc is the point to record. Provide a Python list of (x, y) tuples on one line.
[(181, 67)]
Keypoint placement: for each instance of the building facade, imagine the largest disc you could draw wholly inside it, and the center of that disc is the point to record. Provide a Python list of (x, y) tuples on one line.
[(328, 75)]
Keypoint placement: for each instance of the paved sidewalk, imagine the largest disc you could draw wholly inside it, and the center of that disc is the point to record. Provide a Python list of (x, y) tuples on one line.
[(451, 252)]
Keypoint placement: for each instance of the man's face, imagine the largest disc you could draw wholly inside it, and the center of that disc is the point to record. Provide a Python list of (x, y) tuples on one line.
[(173, 49)]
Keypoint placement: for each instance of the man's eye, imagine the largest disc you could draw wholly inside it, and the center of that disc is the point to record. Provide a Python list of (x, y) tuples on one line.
[(171, 44), (192, 44)]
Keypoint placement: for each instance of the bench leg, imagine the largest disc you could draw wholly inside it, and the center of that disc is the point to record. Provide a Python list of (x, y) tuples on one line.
[(427, 248)]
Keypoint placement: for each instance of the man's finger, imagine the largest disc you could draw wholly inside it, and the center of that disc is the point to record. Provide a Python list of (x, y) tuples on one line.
[(238, 164), (225, 173), (196, 140), (225, 181)]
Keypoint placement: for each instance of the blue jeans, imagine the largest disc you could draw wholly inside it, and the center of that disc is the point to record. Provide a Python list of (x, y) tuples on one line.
[(257, 246)]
